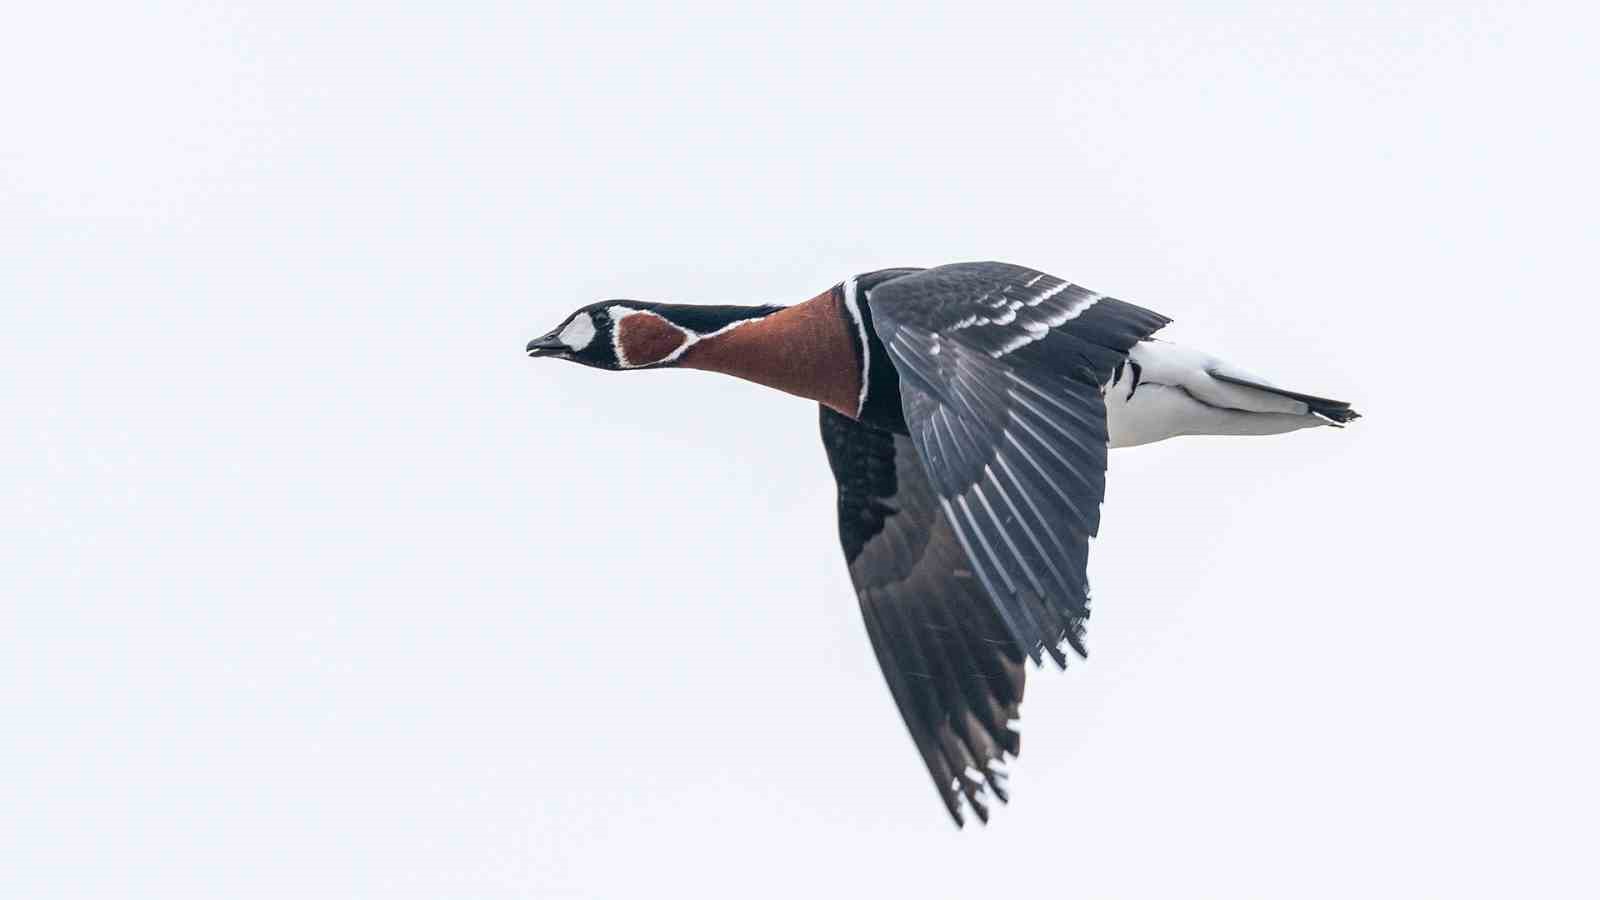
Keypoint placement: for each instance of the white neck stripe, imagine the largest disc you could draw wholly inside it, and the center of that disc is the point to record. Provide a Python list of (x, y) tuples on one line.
[(854, 308)]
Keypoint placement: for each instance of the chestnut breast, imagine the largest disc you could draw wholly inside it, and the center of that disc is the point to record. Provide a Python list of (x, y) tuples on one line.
[(808, 350)]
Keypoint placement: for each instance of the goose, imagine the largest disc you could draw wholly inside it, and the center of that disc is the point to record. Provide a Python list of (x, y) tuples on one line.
[(966, 414)]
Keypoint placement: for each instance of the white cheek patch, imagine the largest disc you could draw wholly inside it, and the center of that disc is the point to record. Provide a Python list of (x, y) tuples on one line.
[(578, 333)]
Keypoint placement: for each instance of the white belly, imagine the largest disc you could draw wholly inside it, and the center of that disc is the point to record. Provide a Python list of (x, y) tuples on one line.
[(1175, 395)]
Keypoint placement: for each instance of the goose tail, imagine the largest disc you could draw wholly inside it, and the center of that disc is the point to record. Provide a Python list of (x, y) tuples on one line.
[(1335, 412)]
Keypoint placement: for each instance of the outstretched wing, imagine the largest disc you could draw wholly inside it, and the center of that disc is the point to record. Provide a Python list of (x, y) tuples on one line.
[(950, 664), (1001, 369)]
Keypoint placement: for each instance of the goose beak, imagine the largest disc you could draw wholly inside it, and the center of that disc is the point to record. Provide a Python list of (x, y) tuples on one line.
[(549, 345)]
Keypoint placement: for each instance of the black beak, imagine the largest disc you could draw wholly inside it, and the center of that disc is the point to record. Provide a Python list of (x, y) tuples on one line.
[(548, 345)]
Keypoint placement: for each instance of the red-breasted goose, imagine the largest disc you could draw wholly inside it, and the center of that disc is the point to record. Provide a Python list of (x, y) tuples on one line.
[(966, 413)]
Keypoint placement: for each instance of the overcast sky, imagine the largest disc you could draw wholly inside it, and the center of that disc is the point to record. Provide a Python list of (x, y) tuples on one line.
[(311, 584)]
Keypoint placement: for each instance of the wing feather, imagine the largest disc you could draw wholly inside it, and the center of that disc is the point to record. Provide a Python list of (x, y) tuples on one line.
[(949, 661), (1001, 382), (967, 539)]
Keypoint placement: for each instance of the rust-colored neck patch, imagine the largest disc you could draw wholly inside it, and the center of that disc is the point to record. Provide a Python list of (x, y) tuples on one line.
[(645, 338), (806, 350)]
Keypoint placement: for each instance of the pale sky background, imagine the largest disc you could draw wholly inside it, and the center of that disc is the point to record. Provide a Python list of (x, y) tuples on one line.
[(312, 585)]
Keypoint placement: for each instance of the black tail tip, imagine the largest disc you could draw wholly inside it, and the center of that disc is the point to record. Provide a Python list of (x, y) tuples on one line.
[(1336, 414)]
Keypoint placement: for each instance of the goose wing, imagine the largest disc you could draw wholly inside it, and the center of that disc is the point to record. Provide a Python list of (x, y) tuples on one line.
[(1001, 369), (951, 666)]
